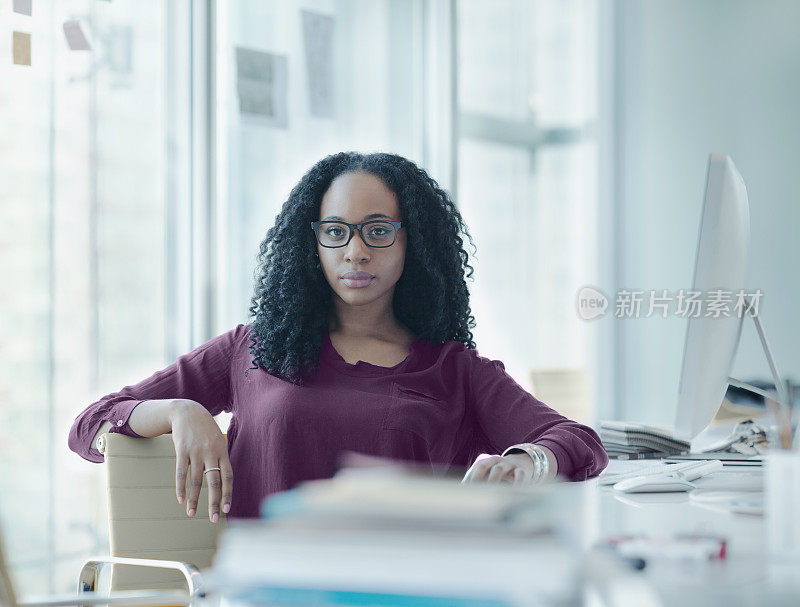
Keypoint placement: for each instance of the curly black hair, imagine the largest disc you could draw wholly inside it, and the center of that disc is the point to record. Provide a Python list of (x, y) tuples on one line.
[(293, 299)]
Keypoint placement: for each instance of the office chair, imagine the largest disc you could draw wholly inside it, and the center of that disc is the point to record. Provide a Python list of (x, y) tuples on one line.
[(147, 525), (566, 389), (154, 544)]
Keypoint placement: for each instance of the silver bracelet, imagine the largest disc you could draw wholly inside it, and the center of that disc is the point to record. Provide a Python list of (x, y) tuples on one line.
[(541, 465)]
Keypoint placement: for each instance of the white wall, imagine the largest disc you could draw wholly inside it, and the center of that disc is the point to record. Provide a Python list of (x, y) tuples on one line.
[(693, 78)]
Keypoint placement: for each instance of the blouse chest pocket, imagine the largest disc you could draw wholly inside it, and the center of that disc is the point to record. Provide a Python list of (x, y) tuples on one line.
[(412, 410)]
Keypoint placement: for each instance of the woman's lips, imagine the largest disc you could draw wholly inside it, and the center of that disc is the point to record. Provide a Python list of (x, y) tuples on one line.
[(358, 283)]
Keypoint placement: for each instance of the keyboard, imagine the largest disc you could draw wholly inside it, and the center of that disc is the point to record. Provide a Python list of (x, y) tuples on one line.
[(610, 479), (728, 459)]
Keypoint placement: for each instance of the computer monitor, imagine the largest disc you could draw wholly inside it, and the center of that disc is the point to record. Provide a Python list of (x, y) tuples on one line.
[(721, 263)]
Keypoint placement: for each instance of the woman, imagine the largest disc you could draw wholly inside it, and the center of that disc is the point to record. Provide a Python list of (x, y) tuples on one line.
[(360, 341)]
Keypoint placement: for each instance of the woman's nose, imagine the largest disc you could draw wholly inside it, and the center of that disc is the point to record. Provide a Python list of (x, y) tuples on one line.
[(356, 248)]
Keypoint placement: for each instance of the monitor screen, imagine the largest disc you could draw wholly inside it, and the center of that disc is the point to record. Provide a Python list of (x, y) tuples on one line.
[(721, 264)]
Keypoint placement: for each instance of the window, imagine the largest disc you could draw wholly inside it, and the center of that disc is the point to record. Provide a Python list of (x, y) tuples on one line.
[(82, 250), (527, 175)]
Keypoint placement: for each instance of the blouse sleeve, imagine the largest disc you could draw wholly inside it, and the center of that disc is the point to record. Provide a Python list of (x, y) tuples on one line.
[(202, 375), (506, 414)]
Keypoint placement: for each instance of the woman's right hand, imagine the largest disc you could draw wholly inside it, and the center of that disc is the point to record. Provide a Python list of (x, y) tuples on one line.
[(200, 444)]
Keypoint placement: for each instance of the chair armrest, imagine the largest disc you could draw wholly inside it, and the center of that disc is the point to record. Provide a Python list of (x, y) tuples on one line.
[(93, 567), (152, 597)]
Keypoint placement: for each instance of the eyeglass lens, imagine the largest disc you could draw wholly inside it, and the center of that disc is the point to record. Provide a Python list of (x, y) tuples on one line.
[(335, 234)]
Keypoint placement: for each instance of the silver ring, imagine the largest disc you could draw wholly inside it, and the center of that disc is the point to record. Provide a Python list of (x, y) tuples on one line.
[(209, 470)]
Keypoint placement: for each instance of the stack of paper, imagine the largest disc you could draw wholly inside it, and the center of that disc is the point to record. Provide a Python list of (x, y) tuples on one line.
[(631, 440), (377, 537)]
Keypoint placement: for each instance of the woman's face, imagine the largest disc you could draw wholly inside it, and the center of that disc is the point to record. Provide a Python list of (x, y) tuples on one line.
[(354, 197)]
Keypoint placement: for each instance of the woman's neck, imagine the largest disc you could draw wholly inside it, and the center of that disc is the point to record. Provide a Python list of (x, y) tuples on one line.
[(390, 330)]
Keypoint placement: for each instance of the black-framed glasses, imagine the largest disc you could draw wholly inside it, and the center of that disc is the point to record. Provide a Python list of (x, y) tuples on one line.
[(379, 233)]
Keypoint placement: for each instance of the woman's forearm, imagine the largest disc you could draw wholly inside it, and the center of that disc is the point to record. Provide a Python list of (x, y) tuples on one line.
[(154, 417), (149, 418)]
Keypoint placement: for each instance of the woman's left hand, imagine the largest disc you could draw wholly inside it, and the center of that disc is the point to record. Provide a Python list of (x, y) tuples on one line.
[(514, 468)]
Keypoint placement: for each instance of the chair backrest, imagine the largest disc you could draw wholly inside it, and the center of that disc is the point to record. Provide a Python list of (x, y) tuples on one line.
[(144, 517), (7, 597), (565, 389)]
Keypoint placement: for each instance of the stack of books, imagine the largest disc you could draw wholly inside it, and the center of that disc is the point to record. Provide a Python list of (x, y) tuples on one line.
[(625, 440), (387, 536)]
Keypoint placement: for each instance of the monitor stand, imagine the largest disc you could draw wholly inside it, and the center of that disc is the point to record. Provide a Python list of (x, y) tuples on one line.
[(777, 401)]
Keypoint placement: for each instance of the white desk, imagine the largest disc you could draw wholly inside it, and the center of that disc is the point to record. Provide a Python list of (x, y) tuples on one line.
[(746, 577)]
